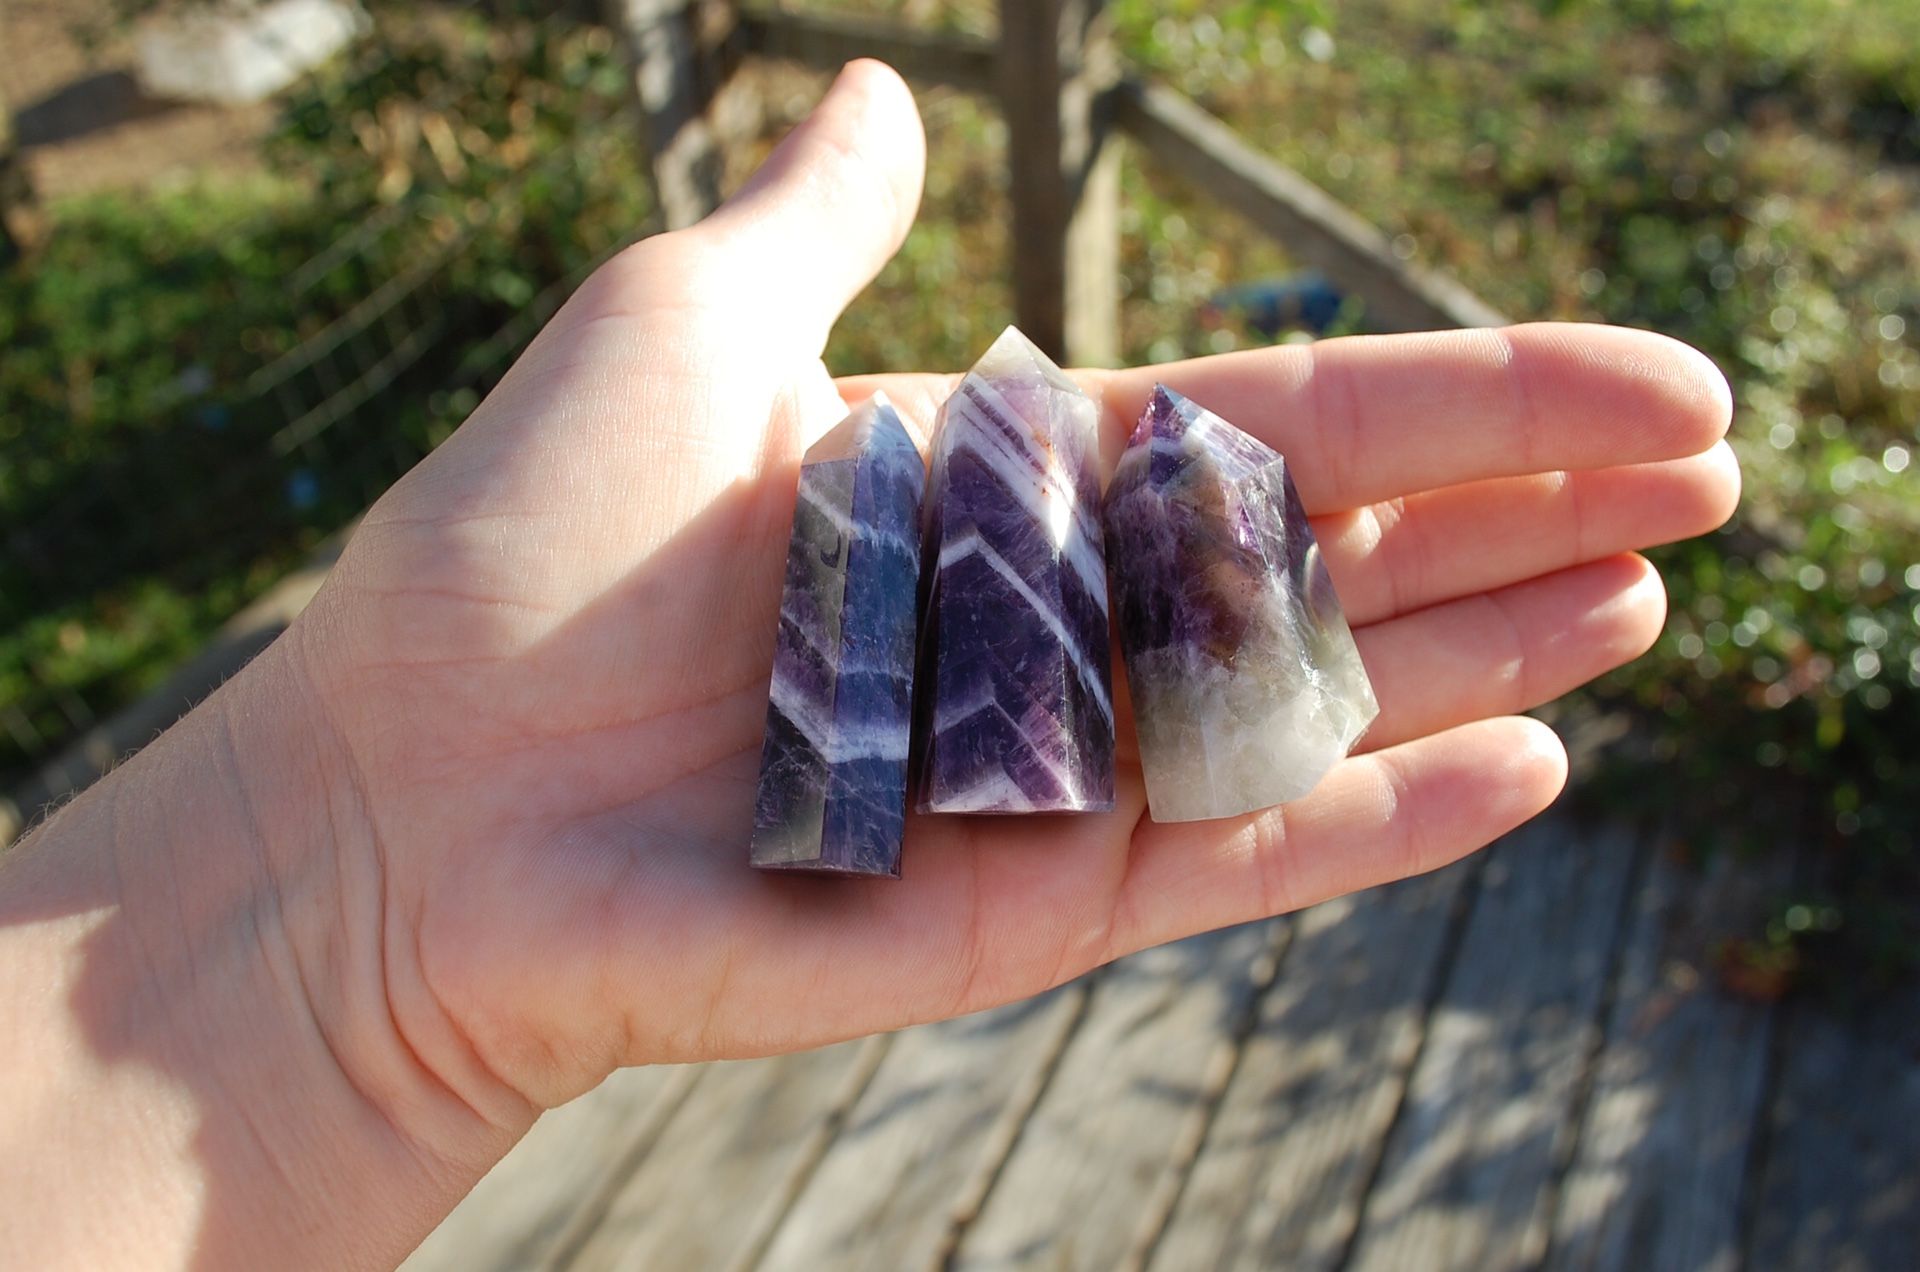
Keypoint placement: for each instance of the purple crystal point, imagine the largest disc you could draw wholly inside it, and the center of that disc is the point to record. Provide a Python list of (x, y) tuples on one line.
[(833, 770), (1015, 709), (1246, 683)]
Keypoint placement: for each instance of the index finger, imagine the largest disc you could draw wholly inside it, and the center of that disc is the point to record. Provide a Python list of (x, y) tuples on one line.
[(1366, 418)]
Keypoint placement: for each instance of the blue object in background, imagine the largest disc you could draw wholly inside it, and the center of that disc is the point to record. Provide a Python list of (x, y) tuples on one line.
[(1273, 305), (303, 489)]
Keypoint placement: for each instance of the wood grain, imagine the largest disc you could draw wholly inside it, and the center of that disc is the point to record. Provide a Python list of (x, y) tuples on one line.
[(703, 1196), (1466, 1181), (826, 42), (1839, 1190), (931, 1121), (1281, 1177), (1092, 1156), (1055, 66), (1656, 1179), (675, 78), (556, 1181)]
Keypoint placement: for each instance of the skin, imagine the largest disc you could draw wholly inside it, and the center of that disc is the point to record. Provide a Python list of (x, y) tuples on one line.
[(472, 833)]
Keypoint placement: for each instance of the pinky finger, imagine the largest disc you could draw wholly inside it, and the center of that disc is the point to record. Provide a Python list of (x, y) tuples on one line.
[(1397, 812)]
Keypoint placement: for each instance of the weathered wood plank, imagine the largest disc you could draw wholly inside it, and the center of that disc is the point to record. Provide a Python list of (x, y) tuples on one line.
[(1306, 220), (671, 51), (1093, 254), (1840, 1186), (935, 1121), (1466, 1179), (1280, 1178), (826, 42), (1656, 1177), (1055, 66), (1143, 1065), (725, 1163), (558, 1179)]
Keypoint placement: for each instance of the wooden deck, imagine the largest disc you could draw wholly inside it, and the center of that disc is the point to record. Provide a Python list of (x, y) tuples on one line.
[(1521, 1061)]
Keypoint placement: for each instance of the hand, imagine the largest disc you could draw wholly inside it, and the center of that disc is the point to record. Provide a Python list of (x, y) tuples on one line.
[(545, 652), (485, 806)]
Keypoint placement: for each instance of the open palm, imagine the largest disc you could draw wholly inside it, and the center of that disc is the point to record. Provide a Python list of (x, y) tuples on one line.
[(543, 659)]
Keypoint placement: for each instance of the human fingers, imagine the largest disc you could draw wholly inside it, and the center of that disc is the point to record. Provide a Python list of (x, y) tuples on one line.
[(823, 214), (1402, 555), (1367, 418), (649, 396), (1508, 650), (1397, 556), (1376, 818), (916, 395)]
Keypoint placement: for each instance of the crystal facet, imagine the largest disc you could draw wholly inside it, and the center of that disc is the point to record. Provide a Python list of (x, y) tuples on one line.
[(833, 770), (1016, 704), (1246, 683)]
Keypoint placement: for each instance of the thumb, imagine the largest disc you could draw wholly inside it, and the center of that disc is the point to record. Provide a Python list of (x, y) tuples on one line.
[(828, 208)]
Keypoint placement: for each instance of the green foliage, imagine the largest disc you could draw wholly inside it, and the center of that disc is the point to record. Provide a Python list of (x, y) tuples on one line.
[(1203, 47), (1741, 176), (181, 405), (945, 296)]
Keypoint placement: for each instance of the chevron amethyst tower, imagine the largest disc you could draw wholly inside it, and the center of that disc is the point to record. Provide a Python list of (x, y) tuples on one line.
[(833, 770), (1246, 683), (1015, 706)]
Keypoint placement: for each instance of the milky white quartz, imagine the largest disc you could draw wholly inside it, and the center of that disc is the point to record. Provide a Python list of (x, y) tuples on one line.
[(1246, 683)]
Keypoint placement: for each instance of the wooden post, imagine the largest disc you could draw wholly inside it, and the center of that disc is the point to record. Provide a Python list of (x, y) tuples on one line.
[(828, 41), (677, 50), (1056, 68)]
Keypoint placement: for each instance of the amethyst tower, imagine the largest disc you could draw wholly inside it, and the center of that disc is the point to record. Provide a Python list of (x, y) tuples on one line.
[(833, 769), (1246, 683), (1015, 702)]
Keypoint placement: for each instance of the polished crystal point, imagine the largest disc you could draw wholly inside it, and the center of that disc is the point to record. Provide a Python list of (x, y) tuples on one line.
[(1246, 683), (1015, 704), (833, 769)]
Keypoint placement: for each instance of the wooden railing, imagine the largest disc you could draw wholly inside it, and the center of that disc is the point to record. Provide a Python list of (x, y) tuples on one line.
[(1064, 96), (1063, 93)]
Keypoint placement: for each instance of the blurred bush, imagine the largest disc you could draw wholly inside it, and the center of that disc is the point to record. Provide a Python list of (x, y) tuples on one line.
[(202, 381), (1745, 176)]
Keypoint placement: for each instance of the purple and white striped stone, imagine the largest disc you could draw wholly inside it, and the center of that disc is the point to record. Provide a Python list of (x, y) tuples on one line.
[(1015, 701), (833, 769), (1246, 683)]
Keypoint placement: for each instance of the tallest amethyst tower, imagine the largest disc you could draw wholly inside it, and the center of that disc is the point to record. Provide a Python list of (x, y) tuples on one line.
[(1014, 695)]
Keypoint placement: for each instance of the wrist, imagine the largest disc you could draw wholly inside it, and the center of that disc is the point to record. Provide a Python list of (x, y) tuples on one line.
[(216, 924)]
